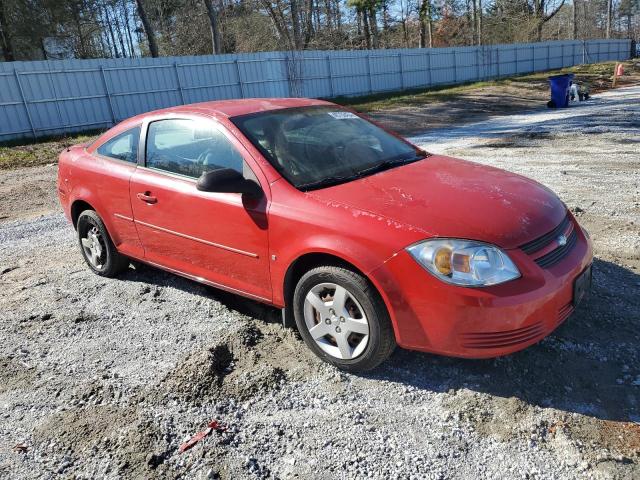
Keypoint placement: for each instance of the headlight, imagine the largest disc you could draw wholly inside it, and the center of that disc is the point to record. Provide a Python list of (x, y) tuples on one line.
[(464, 262)]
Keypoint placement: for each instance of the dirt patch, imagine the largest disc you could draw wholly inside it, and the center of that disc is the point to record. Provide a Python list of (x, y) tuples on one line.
[(240, 367), (15, 374), (411, 114), (410, 118), (133, 446), (244, 366), (28, 192)]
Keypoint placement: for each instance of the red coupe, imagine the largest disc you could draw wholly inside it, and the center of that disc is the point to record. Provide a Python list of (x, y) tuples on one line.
[(366, 240)]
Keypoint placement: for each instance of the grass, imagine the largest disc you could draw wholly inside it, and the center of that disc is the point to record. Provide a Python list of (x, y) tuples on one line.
[(598, 73), (382, 101), (38, 153)]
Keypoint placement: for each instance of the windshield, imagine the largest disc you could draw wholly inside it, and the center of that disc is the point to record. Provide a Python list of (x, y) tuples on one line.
[(319, 146)]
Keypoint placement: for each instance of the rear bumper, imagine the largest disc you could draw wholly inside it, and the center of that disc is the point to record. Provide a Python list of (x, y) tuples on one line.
[(432, 316)]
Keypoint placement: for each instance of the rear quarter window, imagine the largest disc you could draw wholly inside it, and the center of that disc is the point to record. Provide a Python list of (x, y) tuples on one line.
[(122, 147)]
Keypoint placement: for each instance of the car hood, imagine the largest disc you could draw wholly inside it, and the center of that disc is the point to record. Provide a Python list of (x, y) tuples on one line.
[(448, 197)]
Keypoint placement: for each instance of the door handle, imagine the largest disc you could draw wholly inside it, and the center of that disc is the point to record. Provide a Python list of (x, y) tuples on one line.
[(147, 197)]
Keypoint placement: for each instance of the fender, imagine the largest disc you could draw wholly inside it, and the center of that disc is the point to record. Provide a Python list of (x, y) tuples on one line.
[(350, 252), (84, 194)]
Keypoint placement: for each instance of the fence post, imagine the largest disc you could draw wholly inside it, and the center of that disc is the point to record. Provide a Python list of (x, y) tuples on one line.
[(401, 72), (548, 57), (108, 95), (455, 67), (498, 59), (331, 94), (175, 66), (239, 78), (24, 102), (369, 73), (429, 68), (533, 58), (55, 94)]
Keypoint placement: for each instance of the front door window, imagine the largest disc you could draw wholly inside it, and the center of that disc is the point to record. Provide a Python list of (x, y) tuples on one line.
[(189, 148)]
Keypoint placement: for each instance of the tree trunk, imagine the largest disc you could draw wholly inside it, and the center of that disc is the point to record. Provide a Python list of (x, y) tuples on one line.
[(385, 15), (127, 21), (216, 42), (328, 13), (151, 36), (121, 36), (426, 30), (367, 30), (110, 28), (295, 21), (373, 26), (43, 49), (575, 20), (82, 48), (479, 22), (609, 17), (5, 37), (279, 23), (542, 17), (474, 29), (309, 24)]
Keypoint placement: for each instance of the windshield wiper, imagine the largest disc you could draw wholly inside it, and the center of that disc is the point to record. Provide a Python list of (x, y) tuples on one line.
[(386, 165), (325, 182), (379, 167)]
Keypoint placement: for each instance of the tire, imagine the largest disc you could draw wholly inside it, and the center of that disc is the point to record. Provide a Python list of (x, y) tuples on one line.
[(93, 238), (339, 337)]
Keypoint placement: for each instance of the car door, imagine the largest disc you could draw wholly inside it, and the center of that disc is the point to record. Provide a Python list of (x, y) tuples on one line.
[(114, 162), (219, 237)]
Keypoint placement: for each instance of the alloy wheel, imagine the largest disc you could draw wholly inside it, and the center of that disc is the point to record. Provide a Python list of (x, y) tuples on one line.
[(336, 321), (94, 247)]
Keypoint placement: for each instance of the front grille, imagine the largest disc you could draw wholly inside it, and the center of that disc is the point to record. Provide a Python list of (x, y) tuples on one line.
[(559, 253), (565, 312), (504, 338), (546, 258), (541, 242)]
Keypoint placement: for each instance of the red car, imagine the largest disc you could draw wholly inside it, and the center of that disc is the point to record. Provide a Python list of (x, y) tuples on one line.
[(366, 240)]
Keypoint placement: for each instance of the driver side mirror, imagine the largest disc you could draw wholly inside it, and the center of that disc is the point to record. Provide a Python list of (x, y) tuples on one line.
[(228, 180)]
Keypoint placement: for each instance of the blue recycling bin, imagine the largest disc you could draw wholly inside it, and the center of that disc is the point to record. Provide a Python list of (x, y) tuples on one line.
[(560, 86)]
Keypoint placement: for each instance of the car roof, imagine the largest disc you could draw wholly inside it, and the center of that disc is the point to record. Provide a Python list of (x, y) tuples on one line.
[(233, 108), (218, 108)]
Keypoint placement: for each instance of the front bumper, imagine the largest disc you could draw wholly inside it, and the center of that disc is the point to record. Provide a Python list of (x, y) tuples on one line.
[(432, 316)]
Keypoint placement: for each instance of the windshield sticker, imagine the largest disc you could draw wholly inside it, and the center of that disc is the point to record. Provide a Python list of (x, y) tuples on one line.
[(343, 115)]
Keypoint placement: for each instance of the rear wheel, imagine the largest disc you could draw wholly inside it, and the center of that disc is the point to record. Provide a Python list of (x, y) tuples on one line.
[(342, 319), (96, 246)]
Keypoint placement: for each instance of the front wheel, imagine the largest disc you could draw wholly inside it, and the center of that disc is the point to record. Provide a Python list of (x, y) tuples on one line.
[(342, 319)]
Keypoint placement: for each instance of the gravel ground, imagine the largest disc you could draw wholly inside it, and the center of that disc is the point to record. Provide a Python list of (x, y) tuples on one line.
[(105, 378)]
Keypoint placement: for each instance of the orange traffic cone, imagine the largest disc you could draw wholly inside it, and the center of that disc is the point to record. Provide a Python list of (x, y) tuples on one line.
[(618, 71)]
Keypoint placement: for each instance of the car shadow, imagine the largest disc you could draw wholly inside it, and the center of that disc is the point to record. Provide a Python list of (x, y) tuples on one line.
[(148, 275), (589, 365)]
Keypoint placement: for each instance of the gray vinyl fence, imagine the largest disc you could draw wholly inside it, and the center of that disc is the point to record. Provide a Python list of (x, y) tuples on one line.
[(45, 98)]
